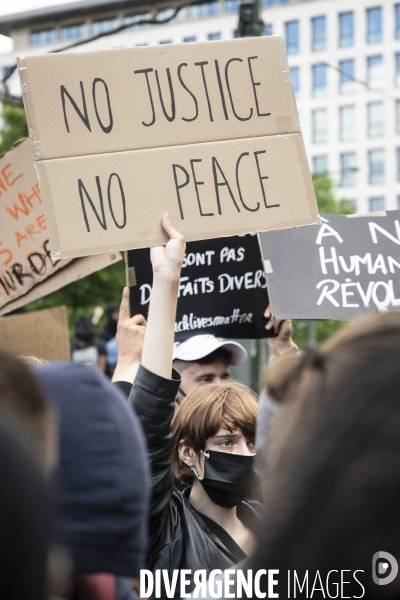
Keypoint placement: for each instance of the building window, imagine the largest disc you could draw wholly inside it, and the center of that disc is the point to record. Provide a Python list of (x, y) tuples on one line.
[(347, 83), (374, 25), (375, 117), (213, 37), (397, 70), (397, 109), (189, 39), (166, 42), (346, 29), (292, 37), (375, 72), (295, 73), (320, 126), (44, 36), (274, 2), (397, 21), (320, 79), (205, 9), (232, 6), (376, 204), (376, 162), (137, 18), (318, 34), (347, 122), (320, 165), (104, 25), (73, 31), (398, 202), (348, 169), (398, 163)]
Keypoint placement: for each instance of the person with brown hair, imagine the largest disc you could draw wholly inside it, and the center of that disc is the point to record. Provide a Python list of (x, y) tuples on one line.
[(22, 397), (332, 501), (210, 447)]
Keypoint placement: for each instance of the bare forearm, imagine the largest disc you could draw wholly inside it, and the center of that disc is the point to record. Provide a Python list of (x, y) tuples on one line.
[(125, 371), (159, 339)]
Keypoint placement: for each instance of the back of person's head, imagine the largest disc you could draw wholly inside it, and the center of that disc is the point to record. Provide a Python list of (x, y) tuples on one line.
[(21, 395), (25, 517), (227, 404), (103, 472), (84, 330), (333, 494)]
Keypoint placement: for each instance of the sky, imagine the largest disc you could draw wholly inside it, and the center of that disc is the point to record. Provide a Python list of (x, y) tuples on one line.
[(15, 6)]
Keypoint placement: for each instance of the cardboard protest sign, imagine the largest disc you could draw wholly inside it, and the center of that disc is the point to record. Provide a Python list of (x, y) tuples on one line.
[(25, 257), (208, 132), (340, 270), (43, 334), (76, 269), (222, 289)]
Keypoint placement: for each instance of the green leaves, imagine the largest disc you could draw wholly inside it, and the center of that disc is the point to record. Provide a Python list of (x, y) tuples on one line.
[(14, 126)]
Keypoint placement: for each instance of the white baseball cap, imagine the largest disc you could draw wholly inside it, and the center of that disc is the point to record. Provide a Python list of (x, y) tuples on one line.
[(199, 346)]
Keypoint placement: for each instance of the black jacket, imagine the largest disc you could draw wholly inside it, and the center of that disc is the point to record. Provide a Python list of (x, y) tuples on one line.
[(179, 538)]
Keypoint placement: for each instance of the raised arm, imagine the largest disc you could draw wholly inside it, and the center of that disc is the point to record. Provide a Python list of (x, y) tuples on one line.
[(130, 338), (155, 387), (159, 339)]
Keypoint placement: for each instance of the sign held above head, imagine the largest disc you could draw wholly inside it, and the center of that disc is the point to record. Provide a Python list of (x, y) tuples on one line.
[(208, 132), (25, 255), (347, 267), (222, 289)]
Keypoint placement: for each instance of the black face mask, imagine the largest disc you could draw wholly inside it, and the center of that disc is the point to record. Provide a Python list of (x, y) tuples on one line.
[(228, 477)]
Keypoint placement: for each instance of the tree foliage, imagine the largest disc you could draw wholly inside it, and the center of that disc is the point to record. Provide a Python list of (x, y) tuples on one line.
[(14, 126)]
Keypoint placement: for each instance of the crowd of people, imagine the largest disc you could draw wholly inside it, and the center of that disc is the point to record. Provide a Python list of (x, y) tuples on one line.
[(174, 468)]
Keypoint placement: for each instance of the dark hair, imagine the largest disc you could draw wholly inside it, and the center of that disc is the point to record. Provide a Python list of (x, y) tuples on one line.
[(84, 329), (112, 307), (332, 499), (219, 354)]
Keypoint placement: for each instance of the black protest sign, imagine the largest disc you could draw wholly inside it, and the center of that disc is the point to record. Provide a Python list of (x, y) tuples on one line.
[(338, 270), (222, 290)]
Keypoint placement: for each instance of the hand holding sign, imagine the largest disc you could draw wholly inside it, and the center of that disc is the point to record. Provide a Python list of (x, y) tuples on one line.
[(283, 341), (159, 340), (167, 260)]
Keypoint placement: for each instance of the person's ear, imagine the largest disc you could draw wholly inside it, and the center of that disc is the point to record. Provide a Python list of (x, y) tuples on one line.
[(186, 454)]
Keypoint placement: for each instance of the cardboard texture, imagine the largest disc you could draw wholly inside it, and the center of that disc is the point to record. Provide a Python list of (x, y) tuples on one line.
[(222, 290), (43, 334), (340, 270), (25, 258), (77, 269), (208, 132)]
